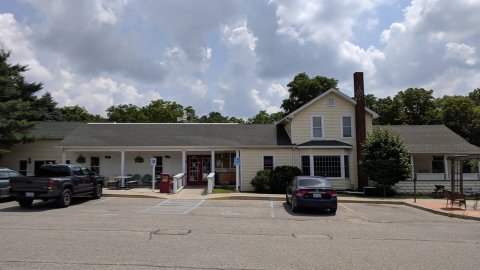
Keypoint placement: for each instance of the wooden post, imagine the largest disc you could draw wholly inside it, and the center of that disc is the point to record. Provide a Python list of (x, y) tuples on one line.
[(452, 179)]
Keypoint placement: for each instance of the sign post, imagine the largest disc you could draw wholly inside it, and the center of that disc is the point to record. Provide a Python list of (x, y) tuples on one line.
[(153, 162)]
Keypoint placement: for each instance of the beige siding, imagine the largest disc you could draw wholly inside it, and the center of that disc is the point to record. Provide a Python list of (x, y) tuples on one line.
[(252, 162), (38, 150)]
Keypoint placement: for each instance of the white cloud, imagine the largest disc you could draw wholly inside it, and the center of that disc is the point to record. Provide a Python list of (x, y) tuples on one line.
[(461, 52), (219, 104), (277, 90), (239, 34)]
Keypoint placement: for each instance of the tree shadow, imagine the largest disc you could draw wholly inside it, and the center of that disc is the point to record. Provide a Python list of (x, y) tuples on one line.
[(307, 211), (41, 206)]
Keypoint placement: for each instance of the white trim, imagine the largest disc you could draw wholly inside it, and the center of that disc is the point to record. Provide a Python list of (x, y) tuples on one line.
[(237, 171), (352, 125), (325, 147), (322, 127), (263, 160), (312, 171), (342, 168), (332, 100)]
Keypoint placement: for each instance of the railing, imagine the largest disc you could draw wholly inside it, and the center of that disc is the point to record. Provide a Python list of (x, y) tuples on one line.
[(211, 182), (442, 176), (179, 182)]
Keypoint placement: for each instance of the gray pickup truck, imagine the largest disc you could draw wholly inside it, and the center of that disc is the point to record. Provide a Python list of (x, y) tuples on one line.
[(59, 181)]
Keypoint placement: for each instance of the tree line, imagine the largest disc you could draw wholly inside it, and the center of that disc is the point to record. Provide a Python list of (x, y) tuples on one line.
[(20, 108)]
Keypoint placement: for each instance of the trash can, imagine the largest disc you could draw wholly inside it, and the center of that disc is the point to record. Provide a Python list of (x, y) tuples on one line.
[(369, 191), (166, 182)]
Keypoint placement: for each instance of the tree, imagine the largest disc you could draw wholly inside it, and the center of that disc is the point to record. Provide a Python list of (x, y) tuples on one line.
[(475, 96), (16, 104), (303, 89), (46, 109), (262, 117), (216, 117), (78, 114), (161, 111), (124, 113), (418, 106), (385, 158)]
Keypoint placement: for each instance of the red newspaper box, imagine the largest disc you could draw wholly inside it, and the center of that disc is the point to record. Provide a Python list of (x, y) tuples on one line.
[(166, 182)]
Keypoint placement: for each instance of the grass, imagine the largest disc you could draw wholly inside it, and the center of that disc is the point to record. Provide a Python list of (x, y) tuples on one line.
[(223, 190)]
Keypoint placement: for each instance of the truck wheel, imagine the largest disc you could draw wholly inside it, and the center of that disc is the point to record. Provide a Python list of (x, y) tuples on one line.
[(65, 199), (97, 193), (25, 202)]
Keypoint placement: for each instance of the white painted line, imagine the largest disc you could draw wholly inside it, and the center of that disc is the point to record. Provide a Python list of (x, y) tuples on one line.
[(190, 210), (272, 212), (103, 200)]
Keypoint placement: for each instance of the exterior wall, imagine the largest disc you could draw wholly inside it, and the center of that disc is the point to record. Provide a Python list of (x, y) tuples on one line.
[(38, 150), (251, 161), (427, 187)]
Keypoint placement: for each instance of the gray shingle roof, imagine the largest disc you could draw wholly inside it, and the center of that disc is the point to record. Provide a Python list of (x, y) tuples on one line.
[(435, 139), (162, 134), (53, 130)]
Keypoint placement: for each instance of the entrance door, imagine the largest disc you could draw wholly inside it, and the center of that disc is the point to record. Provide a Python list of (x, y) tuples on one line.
[(198, 167)]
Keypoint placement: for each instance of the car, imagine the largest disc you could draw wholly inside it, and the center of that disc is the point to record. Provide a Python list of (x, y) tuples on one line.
[(5, 175), (311, 192)]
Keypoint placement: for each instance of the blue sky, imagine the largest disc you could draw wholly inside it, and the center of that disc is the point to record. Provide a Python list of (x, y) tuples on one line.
[(237, 57)]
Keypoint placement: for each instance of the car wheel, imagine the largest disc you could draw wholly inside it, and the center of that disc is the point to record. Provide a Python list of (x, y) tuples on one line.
[(97, 193), (293, 204), (25, 202), (333, 211), (65, 199)]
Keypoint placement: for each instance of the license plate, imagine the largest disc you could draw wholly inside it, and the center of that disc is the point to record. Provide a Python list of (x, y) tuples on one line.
[(317, 195), (29, 194)]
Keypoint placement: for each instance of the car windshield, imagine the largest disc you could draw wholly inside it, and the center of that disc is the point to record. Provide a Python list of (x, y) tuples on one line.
[(53, 171), (4, 175), (313, 183)]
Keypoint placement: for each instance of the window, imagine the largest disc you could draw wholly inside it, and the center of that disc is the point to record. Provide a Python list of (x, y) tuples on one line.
[(95, 165), (22, 169), (305, 165), (331, 102), (268, 162), (327, 166), (317, 127), (346, 126), (159, 166), (438, 165), (346, 166), (77, 171), (85, 171)]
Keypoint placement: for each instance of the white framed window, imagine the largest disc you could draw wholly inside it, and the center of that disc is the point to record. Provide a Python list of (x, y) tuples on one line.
[(331, 102), (317, 126), (347, 127), (327, 166), (268, 162)]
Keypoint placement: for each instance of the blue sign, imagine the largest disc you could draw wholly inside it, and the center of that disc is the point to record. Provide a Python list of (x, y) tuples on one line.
[(153, 161), (236, 161)]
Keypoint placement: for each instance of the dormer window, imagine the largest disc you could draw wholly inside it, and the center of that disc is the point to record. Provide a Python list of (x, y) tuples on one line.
[(317, 127), (331, 102), (347, 127)]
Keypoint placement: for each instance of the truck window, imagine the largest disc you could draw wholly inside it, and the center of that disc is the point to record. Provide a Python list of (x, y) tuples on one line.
[(48, 171), (86, 171), (77, 171)]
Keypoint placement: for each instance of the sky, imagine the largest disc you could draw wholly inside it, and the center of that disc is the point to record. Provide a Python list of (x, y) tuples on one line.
[(237, 57)]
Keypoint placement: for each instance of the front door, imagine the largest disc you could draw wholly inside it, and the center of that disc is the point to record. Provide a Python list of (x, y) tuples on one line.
[(198, 169)]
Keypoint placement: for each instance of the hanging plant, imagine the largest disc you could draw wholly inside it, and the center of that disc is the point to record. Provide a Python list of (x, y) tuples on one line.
[(139, 159), (80, 159)]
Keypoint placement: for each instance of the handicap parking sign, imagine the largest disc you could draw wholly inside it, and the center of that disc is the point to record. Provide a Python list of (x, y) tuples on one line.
[(236, 161)]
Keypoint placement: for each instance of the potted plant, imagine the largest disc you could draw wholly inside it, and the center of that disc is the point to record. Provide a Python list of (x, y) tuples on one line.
[(80, 159), (139, 159)]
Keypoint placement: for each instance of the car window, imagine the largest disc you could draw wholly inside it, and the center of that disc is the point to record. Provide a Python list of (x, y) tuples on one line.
[(53, 171), (13, 174), (4, 175), (86, 171), (77, 171), (313, 183)]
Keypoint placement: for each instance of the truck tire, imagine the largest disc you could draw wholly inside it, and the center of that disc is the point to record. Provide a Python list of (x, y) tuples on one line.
[(25, 202), (97, 192), (65, 198)]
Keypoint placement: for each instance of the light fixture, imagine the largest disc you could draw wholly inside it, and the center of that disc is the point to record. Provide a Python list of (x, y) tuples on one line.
[(167, 156), (29, 160)]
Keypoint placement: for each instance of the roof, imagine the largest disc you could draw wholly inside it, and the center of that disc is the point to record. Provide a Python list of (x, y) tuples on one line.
[(433, 139), (173, 135), (332, 90), (326, 144), (53, 130)]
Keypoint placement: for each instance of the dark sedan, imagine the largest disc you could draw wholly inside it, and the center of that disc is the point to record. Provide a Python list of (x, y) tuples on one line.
[(5, 175), (311, 192)]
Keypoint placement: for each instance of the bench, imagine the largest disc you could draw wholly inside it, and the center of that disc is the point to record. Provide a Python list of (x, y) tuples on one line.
[(455, 197)]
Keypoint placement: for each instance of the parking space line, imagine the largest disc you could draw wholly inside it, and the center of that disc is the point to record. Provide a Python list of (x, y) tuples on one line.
[(197, 205), (342, 205), (272, 211), (102, 201)]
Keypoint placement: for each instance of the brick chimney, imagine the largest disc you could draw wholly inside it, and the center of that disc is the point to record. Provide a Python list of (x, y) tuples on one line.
[(360, 127)]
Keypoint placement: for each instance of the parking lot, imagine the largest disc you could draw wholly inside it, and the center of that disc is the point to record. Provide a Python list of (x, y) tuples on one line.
[(127, 233)]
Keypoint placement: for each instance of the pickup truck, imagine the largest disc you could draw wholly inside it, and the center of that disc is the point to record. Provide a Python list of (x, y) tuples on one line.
[(59, 181)]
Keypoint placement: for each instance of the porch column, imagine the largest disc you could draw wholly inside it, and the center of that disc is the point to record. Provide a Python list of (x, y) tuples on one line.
[(478, 169), (342, 167), (413, 168), (212, 163), (237, 172), (64, 156), (445, 165), (184, 161), (122, 163)]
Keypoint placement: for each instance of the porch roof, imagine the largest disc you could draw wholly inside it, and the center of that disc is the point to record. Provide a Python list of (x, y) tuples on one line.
[(433, 139), (172, 135)]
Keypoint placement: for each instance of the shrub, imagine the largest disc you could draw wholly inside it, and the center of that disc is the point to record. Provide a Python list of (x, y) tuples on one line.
[(281, 177), (261, 182)]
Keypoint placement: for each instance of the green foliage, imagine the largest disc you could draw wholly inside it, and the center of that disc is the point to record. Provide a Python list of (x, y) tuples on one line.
[(389, 110), (475, 96), (18, 107), (281, 177), (385, 158), (216, 117), (263, 117), (418, 106), (126, 114), (276, 181), (261, 182), (78, 114), (303, 89)]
